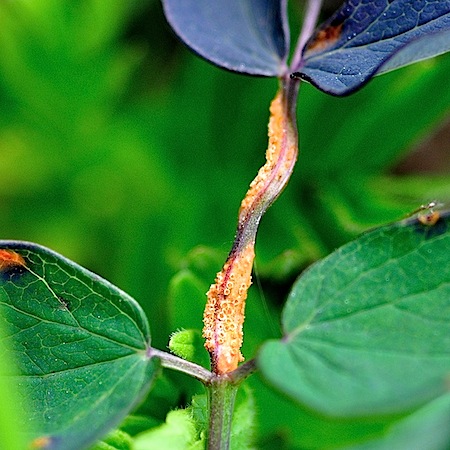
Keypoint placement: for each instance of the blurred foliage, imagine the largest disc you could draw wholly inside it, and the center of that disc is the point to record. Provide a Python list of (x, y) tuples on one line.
[(122, 151), (11, 435)]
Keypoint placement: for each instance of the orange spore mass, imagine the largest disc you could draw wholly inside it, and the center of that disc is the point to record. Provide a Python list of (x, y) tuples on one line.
[(429, 219), (225, 309), (10, 259), (224, 313), (281, 154)]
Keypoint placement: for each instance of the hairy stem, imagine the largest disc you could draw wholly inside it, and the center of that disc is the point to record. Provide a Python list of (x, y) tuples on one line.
[(221, 396), (181, 365)]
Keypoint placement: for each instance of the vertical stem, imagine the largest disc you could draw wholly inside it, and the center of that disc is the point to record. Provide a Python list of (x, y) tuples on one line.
[(225, 309), (309, 23), (221, 396), (224, 312)]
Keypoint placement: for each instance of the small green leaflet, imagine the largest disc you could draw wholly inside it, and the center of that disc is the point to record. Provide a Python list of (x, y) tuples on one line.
[(80, 344), (367, 329)]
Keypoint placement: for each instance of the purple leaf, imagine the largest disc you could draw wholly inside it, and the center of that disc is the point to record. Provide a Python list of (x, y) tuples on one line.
[(369, 37), (247, 36)]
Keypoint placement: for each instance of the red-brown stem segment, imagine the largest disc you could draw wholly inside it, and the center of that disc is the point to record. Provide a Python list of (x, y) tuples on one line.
[(224, 312)]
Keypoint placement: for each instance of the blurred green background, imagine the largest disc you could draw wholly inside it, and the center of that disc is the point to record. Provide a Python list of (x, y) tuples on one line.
[(122, 151), (127, 154)]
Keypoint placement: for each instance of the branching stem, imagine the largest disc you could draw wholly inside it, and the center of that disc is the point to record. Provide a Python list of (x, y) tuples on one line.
[(181, 365), (208, 378)]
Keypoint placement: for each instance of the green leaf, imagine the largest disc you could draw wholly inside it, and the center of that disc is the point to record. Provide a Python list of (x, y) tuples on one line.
[(177, 433), (80, 344), (367, 330), (244, 420), (116, 440), (186, 300), (189, 344), (10, 436), (425, 429), (135, 424)]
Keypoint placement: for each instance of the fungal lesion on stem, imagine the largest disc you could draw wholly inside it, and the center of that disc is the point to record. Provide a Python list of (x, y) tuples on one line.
[(225, 309)]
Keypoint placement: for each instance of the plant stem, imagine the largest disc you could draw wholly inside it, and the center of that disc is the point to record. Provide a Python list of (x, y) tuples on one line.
[(174, 362), (221, 393), (221, 396), (243, 371), (309, 23), (225, 309)]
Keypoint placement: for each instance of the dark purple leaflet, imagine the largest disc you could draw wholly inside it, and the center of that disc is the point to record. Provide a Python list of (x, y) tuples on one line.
[(368, 37), (247, 36)]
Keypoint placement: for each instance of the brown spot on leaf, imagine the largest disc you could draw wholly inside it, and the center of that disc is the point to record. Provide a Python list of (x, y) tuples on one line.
[(429, 219), (432, 224), (10, 260), (325, 38), (41, 442)]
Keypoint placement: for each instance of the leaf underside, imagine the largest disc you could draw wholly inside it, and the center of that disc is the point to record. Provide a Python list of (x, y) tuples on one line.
[(246, 36), (80, 345), (367, 329), (365, 38)]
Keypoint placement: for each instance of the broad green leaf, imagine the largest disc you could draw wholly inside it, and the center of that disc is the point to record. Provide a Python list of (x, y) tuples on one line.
[(81, 346), (284, 421), (367, 330), (424, 429)]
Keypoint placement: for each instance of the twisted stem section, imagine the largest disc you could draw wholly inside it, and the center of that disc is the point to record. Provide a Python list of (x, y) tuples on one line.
[(225, 309)]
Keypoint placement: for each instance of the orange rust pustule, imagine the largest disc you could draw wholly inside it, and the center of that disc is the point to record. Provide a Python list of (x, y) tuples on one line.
[(225, 311), (429, 219), (10, 260), (325, 38), (281, 155), (41, 442)]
